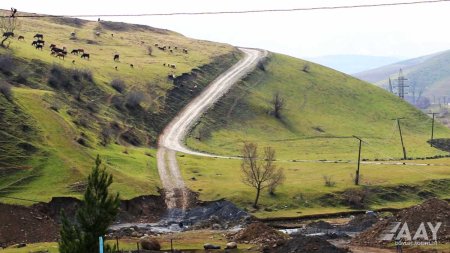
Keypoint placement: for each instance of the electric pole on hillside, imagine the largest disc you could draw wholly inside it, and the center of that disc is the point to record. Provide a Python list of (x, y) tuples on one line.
[(401, 85), (359, 160), (391, 90), (401, 137), (432, 128)]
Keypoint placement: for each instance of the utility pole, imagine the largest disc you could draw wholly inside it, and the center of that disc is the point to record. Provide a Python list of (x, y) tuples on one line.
[(401, 137), (401, 84), (432, 128), (359, 161), (391, 90)]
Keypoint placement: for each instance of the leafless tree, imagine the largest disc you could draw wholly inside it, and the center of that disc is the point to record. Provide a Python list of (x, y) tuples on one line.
[(260, 173), (277, 179), (149, 50), (7, 26), (277, 104)]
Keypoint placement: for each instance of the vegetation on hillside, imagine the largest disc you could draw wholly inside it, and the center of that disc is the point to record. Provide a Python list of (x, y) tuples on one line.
[(322, 110), (57, 114)]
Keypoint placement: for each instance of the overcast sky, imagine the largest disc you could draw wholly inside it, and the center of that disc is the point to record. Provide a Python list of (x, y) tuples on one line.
[(405, 31)]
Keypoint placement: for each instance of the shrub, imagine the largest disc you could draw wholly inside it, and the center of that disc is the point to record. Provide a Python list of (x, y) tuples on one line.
[(117, 102), (105, 135), (306, 68), (356, 198), (134, 99), (150, 244), (119, 85), (5, 89), (329, 181), (6, 64)]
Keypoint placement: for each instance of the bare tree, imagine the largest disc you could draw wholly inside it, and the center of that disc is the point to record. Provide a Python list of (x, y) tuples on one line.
[(149, 50), (259, 173), (277, 104), (277, 179), (7, 26)]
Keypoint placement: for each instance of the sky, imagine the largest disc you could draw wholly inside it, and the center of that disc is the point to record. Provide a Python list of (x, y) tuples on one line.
[(402, 31)]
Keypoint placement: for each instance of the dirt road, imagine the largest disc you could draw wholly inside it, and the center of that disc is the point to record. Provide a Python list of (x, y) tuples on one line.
[(171, 140)]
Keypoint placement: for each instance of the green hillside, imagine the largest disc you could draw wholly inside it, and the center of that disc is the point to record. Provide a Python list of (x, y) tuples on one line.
[(428, 74), (56, 114), (323, 109)]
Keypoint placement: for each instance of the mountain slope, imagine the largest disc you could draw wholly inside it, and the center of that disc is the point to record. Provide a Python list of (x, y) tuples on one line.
[(323, 110), (313, 139), (430, 73), (61, 113)]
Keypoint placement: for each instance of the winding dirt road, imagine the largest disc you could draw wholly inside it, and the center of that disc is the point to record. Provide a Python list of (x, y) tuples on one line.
[(171, 140)]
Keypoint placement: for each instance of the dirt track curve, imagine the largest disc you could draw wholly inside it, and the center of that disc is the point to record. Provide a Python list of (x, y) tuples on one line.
[(171, 140)]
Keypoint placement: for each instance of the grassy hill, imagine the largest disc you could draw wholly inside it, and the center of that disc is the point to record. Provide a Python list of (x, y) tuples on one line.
[(323, 109), (429, 73), (56, 115)]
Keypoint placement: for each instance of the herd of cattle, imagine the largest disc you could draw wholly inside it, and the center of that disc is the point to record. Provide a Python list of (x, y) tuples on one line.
[(39, 44)]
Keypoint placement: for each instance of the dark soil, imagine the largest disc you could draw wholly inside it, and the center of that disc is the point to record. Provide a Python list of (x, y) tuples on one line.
[(432, 210), (304, 244), (19, 224), (259, 234), (360, 223)]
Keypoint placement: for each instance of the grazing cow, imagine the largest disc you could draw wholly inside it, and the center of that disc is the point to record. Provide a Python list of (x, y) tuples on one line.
[(57, 50), (112, 34), (84, 56), (74, 52), (176, 48), (60, 55), (38, 36), (8, 34), (169, 47), (52, 46), (73, 61), (185, 50), (173, 66), (116, 57), (131, 65), (40, 42), (80, 50), (39, 46), (34, 43), (171, 50), (21, 38), (164, 64)]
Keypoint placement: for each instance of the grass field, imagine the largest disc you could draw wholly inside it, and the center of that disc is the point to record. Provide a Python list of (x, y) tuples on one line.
[(323, 109), (59, 120)]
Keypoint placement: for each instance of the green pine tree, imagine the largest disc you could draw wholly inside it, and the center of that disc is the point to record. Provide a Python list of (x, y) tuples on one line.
[(97, 212)]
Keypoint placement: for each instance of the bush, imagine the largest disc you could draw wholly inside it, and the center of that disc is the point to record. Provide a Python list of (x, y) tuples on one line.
[(306, 68), (356, 198), (119, 85), (329, 181), (5, 89), (134, 99), (117, 102), (150, 244), (105, 135), (6, 64)]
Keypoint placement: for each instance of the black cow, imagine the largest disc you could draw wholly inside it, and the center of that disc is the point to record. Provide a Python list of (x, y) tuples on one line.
[(38, 36), (40, 42), (34, 43), (8, 34), (84, 56), (75, 51), (57, 50), (116, 57), (52, 45), (39, 46)]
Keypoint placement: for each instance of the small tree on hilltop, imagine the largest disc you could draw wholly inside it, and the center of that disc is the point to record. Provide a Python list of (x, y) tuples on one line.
[(260, 173), (7, 26), (97, 212)]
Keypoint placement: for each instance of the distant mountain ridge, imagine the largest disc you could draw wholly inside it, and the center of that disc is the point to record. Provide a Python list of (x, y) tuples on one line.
[(429, 73), (351, 64)]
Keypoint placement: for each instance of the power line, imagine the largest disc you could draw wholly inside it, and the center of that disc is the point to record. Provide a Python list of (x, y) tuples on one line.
[(240, 11)]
